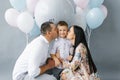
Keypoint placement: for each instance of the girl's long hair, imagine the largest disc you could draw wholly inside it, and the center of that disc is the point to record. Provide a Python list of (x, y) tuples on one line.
[(80, 38)]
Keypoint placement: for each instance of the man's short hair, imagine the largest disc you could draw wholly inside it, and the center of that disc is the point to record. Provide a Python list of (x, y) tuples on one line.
[(62, 23), (46, 27)]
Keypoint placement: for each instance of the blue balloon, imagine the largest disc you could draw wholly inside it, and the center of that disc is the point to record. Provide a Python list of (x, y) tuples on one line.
[(20, 5), (35, 32), (95, 3), (95, 18)]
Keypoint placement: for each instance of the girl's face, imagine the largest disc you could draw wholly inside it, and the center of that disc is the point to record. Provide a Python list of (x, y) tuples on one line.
[(63, 31), (71, 34)]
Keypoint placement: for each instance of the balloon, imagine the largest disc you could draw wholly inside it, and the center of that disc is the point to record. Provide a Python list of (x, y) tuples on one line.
[(11, 17), (81, 3), (72, 3), (51, 10), (25, 22), (34, 32), (95, 18), (31, 5), (104, 9), (20, 5), (79, 18), (95, 3)]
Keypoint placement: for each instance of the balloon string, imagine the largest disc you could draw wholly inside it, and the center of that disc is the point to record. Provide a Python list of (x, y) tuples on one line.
[(27, 40), (89, 35)]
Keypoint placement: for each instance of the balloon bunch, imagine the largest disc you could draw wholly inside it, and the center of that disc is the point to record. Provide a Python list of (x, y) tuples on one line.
[(28, 15), (94, 11)]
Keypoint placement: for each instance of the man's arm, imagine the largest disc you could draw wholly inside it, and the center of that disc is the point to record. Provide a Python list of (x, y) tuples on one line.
[(35, 60), (49, 64)]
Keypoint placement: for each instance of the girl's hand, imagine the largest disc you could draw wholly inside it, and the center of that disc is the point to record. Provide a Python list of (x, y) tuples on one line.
[(69, 58), (57, 62), (58, 55)]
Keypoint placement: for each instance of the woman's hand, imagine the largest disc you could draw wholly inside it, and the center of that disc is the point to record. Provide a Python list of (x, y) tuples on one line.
[(66, 64), (63, 76), (85, 72)]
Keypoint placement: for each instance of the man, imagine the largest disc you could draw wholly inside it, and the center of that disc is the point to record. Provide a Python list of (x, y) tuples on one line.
[(32, 62)]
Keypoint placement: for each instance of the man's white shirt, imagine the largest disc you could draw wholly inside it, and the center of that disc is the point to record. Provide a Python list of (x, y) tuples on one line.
[(33, 56)]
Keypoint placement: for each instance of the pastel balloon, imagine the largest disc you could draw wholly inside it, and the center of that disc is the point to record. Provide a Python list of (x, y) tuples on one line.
[(34, 32), (25, 22), (104, 9), (72, 3), (20, 5), (95, 18), (31, 5), (95, 3), (11, 17), (51, 10), (81, 3), (79, 18)]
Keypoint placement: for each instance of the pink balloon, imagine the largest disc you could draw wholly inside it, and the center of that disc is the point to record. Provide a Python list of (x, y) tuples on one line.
[(79, 18), (104, 9), (31, 4), (81, 3)]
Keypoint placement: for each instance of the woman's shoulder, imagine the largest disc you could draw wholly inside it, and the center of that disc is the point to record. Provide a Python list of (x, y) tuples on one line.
[(81, 45), (81, 48)]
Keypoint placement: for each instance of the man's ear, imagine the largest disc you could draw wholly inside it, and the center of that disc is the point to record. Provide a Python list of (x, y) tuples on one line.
[(48, 33)]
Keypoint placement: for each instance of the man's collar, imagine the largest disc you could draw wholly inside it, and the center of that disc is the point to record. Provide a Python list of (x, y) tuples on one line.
[(43, 37)]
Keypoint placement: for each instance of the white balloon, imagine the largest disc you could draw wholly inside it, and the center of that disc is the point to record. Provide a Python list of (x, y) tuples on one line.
[(72, 3), (11, 17), (31, 5), (53, 10), (25, 22), (79, 18)]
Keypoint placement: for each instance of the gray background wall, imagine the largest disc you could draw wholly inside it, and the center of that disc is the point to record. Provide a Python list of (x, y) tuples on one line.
[(105, 45)]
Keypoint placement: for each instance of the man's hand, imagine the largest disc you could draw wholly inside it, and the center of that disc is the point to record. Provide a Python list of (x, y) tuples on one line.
[(50, 63), (55, 58)]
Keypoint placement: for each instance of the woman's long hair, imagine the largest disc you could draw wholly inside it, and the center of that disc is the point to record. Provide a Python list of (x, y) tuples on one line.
[(80, 38)]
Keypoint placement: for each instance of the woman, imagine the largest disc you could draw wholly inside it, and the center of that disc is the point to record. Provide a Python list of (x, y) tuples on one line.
[(82, 66)]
